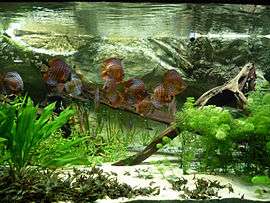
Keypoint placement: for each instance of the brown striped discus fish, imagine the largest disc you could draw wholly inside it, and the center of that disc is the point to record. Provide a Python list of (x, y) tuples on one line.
[(161, 96), (58, 71), (144, 107)]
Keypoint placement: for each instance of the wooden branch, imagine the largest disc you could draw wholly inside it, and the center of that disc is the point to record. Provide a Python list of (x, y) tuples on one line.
[(170, 132)]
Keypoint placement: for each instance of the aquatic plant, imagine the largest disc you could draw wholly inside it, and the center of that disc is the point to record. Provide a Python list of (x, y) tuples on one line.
[(220, 142), (204, 188), (52, 186), (24, 129)]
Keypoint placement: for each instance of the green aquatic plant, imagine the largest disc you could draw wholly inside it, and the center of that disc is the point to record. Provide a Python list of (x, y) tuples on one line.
[(204, 189), (220, 142), (24, 129), (77, 186), (205, 130), (57, 151)]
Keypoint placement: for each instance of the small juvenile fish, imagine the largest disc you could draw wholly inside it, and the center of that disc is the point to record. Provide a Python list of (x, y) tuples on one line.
[(13, 83), (112, 68)]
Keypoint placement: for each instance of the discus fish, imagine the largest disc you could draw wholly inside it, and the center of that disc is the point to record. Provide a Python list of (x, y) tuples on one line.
[(161, 96), (144, 107), (13, 83), (112, 68), (115, 98), (58, 70), (111, 92), (134, 91), (173, 82)]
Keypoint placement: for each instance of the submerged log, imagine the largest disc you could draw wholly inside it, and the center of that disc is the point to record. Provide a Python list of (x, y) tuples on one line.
[(233, 95), (171, 132)]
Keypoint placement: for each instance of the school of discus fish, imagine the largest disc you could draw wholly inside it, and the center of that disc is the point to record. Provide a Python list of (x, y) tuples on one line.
[(133, 92), (60, 78)]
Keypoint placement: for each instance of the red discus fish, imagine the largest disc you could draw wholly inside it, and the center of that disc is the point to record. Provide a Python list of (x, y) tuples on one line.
[(111, 92), (174, 82)]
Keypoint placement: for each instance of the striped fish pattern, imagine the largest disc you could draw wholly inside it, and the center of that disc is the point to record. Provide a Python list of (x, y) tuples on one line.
[(58, 71), (13, 83), (144, 107), (161, 96)]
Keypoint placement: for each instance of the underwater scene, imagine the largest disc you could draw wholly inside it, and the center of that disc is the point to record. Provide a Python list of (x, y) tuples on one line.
[(134, 102)]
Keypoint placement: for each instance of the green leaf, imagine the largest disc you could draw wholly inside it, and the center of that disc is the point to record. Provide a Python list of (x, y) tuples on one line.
[(2, 139)]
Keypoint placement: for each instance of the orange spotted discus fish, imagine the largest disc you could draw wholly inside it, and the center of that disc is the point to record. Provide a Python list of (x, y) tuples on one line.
[(161, 96), (112, 68), (174, 82)]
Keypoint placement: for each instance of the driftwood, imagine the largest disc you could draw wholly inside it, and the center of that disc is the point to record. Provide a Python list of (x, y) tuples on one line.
[(170, 132), (231, 93), (235, 88)]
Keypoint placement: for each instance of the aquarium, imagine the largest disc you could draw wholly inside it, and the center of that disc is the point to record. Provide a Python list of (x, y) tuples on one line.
[(134, 102)]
